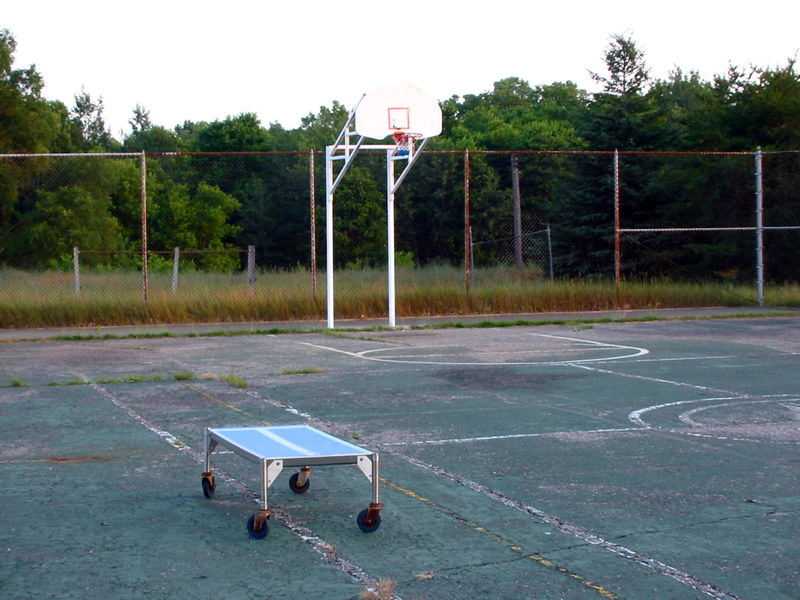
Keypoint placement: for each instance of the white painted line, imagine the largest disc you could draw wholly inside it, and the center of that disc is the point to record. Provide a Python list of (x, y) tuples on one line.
[(510, 436), (636, 415), (653, 379), (369, 354)]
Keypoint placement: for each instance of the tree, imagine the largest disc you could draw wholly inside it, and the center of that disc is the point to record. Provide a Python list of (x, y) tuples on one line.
[(628, 73), (622, 117), (233, 134), (140, 121), (764, 109), (692, 111), (194, 220), (320, 130), (28, 123), (87, 114), (71, 216), (154, 139), (514, 116), (147, 137)]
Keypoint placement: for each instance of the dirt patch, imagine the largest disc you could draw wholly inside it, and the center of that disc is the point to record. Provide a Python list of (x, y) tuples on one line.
[(500, 377), (591, 437)]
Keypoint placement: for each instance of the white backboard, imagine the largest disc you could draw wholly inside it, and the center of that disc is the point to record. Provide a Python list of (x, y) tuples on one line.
[(398, 108)]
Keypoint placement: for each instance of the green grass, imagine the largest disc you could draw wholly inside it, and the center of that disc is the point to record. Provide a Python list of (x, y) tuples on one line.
[(47, 299), (133, 378), (229, 378), (233, 379), (307, 371)]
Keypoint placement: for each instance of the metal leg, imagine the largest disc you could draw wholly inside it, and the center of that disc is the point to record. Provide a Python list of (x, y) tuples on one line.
[(207, 445), (270, 469), (264, 484), (258, 525), (209, 485), (369, 520), (376, 492)]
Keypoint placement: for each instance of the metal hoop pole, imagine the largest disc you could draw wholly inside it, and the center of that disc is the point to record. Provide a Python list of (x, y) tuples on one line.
[(390, 235), (329, 233)]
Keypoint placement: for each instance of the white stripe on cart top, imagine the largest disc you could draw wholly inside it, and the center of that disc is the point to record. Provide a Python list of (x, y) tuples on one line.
[(284, 442)]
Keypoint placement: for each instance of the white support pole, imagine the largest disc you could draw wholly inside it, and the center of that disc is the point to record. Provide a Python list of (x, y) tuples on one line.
[(329, 233), (390, 235)]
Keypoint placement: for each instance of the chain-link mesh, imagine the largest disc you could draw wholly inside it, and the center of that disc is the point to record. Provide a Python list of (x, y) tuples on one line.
[(687, 217), (252, 226)]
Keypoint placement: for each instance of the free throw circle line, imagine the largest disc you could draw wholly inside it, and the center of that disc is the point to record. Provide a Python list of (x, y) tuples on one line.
[(633, 352)]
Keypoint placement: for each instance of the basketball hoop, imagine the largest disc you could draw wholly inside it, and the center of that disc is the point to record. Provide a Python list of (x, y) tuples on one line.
[(405, 142), (391, 110)]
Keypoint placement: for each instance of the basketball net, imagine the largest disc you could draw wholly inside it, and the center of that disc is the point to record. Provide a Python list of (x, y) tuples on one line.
[(404, 142)]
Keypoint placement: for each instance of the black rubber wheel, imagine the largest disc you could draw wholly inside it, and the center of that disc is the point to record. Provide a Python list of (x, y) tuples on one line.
[(362, 516), (297, 489), (261, 533), (208, 488)]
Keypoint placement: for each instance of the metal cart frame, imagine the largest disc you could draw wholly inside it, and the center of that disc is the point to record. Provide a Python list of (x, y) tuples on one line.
[(276, 447)]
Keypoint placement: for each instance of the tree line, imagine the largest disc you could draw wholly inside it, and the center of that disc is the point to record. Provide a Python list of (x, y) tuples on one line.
[(204, 202)]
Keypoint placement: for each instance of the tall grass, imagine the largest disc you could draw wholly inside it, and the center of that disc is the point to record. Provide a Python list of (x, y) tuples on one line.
[(41, 299)]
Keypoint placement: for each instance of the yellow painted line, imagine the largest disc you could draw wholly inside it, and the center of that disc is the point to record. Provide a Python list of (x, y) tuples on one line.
[(226, 404), (507, 543)]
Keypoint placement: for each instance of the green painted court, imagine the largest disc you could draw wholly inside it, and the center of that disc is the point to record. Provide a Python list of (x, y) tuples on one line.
[(617, 460)]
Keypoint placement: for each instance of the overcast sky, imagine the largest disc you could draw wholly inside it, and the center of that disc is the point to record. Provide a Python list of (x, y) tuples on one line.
[(200, 61)]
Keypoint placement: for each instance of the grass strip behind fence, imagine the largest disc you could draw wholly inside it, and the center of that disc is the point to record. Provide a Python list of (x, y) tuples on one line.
[(48, 300)]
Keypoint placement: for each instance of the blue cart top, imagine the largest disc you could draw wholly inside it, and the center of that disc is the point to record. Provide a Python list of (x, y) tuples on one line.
[(287, 441)]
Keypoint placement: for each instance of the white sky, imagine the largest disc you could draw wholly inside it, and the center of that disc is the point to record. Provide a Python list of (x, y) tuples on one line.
[(200, 61)]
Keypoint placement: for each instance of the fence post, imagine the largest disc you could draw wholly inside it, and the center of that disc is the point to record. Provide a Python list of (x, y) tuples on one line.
[(76, 269), (467, 227), (550, 252), (251, 267), (617, 241), (517, 211), (145, 282), (759, 229), (176, 257), (312, 209)]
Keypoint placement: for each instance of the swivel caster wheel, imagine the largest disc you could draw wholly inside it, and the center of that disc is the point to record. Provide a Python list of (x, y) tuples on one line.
[(296, 486), (258, 525), (209, 485), (369, 519)]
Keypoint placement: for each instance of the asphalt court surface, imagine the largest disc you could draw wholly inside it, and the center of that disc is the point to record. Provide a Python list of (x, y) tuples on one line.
[(614, 460)]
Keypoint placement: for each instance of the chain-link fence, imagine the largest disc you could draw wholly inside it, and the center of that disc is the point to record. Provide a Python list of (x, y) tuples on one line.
[(181, 228)]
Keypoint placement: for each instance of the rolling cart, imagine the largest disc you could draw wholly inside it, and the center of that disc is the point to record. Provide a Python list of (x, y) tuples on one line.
[(276, 447)]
